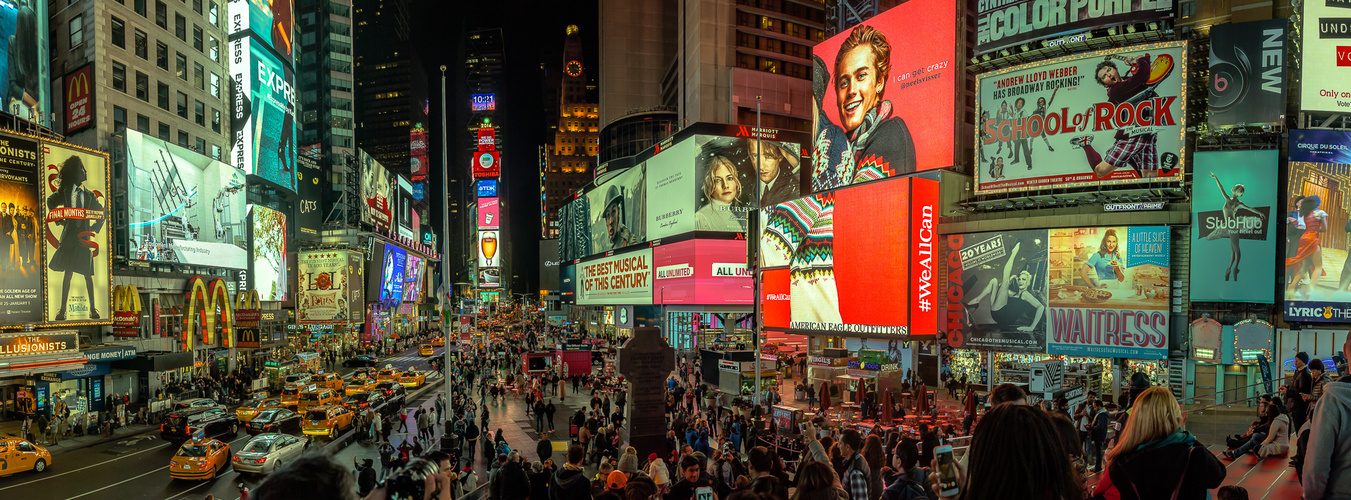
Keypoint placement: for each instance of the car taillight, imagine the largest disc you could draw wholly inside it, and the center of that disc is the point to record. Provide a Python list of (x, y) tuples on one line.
[(236, 458), (173, 463), (161, 427), (259, 461)]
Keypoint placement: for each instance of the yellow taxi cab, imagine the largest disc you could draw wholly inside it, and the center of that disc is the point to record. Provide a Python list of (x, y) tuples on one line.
[(290, 396), (248, 410), (19, 455), (425, 350), (327, 420), (439, 342), (356, 386), (318, 396), (330, 380), (388, 373), (413, 378), (200, 459)]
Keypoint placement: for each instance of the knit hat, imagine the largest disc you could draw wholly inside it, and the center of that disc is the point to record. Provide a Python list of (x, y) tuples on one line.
[(1315, 364), (616, 480), (628, 463), (651, 457), (1302, 357)]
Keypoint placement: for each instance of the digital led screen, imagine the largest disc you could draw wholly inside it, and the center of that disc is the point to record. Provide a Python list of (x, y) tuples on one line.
[(487, 188), (702, 272), (184, 207), (489, 251), (1006, 23), (269, 267), (609, 217), (262, 114), (487, 213), (20, 175), (1317, 284), (322, 287), (377, 189), (620, 279), (1233, 243), (483, 102), (26, 65), (392, 269), (1247, 73), (74, 186), (272, 21), (1325, 57), (487, 164), (405, 205)]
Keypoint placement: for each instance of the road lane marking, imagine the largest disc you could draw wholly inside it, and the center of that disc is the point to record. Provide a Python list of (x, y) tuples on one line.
[(53, 476), (118, 483), (224, 476)]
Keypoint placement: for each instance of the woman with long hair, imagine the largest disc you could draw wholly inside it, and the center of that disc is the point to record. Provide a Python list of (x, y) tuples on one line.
[(1308, 258), (1230, 227), (1016, 452), (724, 208), (1012, 305), (876, 458), (1106, 262), (816, 481), (1155, 457)]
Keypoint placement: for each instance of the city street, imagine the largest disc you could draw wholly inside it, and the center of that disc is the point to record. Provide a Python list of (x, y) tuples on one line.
[(136, 467)]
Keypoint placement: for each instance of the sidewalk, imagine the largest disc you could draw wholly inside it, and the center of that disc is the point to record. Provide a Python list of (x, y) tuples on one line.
[(11, 429)]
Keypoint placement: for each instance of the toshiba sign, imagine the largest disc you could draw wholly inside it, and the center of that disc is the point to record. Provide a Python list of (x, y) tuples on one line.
[(79, 95)]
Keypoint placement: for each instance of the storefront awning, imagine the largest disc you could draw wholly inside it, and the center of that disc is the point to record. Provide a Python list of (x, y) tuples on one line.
[(156, 361)]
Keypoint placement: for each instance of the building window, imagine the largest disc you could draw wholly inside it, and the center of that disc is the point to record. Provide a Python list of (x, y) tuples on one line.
[(182, 138), (201, 145), (199, 76), (162, 95), (215, 151), (119, 33), (211, 13), (161, 14), (215, 120), (199, 112), (139, 7), (182, 65), (76, 31), (213, 48), (197, 38), (142, 86), (119, 119), (215, 85), (182, 105), (162, 56), (164, 132), (143, 124), (181, 27), (197, 6), (119, 77)]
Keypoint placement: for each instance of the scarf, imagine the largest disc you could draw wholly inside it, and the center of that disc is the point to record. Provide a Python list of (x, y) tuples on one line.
[(1180, 436)]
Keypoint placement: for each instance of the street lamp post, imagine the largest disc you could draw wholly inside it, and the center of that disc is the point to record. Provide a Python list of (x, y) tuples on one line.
[(445, 235), (753, 244)]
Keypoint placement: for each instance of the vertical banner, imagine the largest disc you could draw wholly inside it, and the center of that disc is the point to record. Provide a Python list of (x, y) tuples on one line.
[(20, 256), (1247, 73), (74, 185), (1109, 292), (309, 216), (997, 297), (268, 266), (356, 286), (79, 95), (321, 296), (1317, 226), (1233, 248)]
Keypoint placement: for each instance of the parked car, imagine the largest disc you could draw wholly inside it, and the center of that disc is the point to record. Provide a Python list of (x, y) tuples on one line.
[(182, 425), (362, 360), (199, 459), (267, 452), (20, 455), (275, 420)]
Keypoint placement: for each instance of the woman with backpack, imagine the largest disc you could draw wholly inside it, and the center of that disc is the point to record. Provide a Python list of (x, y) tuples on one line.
[(1155, 457)]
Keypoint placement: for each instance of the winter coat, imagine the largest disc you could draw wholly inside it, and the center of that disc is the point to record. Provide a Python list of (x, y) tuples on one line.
[(1152, 470), (1278, 439), (656, 469), (1327, 462), (569, 484), (511, 483)]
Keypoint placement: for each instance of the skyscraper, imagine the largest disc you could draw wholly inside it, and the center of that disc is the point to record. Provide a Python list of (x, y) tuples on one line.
[(570, 159), (326, 77)]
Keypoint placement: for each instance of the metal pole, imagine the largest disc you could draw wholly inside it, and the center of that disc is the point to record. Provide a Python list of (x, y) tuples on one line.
[(752, 242), (445, 237)]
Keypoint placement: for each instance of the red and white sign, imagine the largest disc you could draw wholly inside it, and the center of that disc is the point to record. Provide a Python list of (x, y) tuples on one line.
[(487, 164), (923, 268), (702, 272), (776, 306), (620, 279), (79, 94), (487, 213), (487, 138)]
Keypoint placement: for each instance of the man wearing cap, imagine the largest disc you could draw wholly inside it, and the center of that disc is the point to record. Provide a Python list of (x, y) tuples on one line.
[(1300, 384)]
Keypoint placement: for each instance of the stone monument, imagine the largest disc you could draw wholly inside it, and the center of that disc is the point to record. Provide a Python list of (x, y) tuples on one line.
[(645, 361)]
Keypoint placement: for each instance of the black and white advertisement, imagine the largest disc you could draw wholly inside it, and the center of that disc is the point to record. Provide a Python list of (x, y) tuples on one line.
[(1005, 23), (1247, 73), (1002, 293)]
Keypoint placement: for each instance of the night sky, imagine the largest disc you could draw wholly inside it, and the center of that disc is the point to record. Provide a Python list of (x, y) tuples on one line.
[(533, 32)]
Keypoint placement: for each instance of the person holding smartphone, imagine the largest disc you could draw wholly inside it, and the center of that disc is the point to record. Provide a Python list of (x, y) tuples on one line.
[(1016, 452)]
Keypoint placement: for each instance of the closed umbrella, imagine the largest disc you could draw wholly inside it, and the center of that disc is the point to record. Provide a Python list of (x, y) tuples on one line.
[(825, 396), (886, 406), (922, 401)]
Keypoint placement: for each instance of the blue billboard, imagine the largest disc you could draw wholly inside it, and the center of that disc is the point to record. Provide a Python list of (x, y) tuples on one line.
[(1233, 248), (487, 188)]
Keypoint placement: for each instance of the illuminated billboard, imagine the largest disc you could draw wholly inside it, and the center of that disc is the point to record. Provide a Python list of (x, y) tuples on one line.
[(860, 259), (272, 21), (1089, 119), (489, 277), (412, 278), (1317, 283), (323, 284), (611, 216), (483, 102), (619, 279), (417, 151), (26, 66), (263, 114), (377, 189), (393, 266), (489, 250), (405, 205), (1325, 62), (548, 265), (1247, 73), (74, 184), (487, 138), (706, 182), (1005, 23), (20, 175), (885, 92), (1233, 226), (79, 97), (487, 188), (268, 268), (702, 272), (184, 207), (487, 164), (487, 213), (309, 215)]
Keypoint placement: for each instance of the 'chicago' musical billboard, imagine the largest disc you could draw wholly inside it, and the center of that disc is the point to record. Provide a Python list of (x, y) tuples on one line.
[(997, 296), (884, 94), (1099, 118), (1233, 244)]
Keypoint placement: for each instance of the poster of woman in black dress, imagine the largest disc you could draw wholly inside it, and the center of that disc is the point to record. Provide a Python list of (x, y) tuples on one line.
[(77, 244), (1004, 295)]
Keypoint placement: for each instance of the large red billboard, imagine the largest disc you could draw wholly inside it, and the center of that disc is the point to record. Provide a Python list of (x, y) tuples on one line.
[(487, 164), (846, 268), (702, 272), (885, 96)]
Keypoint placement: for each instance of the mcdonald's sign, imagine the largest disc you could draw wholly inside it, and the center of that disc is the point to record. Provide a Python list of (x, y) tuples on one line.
[(247, 309), (126, 311), (203, 300), (79, 95)]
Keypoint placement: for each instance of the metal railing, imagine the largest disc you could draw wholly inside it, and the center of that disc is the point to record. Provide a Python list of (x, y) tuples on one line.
[(1214, 396)]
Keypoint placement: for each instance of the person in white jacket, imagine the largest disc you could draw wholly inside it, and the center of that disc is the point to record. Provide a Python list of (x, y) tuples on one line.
[(656, 469), (1327, 463), (1278, 439)]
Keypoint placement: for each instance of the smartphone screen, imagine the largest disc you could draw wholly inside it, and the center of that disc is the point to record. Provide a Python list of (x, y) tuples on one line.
[(704, 493), (947, 470)]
